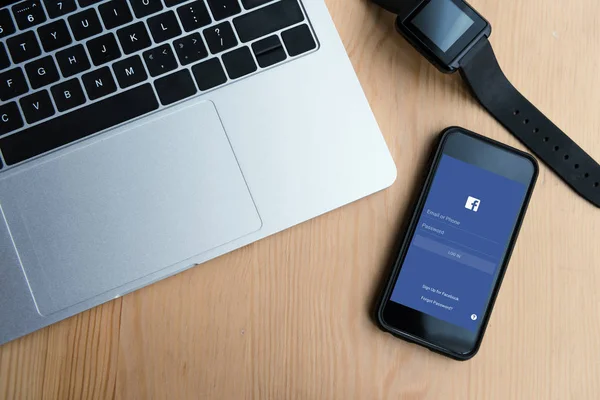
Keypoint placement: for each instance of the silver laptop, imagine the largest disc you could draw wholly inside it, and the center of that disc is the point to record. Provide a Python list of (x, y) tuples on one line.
[(141, 137)]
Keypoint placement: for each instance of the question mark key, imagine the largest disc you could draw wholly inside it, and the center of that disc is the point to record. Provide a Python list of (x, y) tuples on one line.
[(220, 37)]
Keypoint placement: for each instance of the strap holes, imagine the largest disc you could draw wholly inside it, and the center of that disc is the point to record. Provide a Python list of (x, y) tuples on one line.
[(535, 130), (525, 121), (516, 112), (546, 139), (576, 166), (596, 184), (566, 157), (556, 148), (586, 175)]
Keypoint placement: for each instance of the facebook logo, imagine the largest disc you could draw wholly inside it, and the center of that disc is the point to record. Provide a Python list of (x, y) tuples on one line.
[(472, 204)]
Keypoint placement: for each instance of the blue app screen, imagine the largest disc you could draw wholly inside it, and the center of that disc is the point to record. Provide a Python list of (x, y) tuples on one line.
[(459, 244)]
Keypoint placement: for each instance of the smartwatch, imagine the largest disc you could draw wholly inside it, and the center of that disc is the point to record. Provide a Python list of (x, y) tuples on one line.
[(454, 37)]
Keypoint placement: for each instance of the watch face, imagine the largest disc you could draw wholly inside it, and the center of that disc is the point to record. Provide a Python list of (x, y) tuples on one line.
[(444, 28)]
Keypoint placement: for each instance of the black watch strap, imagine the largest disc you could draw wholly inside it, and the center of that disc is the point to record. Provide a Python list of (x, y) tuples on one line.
[(401, 8), (482, 73)]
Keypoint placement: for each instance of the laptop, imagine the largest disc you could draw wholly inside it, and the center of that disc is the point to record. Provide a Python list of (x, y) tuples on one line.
[(139, 138)]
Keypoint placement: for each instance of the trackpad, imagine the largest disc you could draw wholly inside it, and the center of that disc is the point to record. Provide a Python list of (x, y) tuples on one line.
[(126, 207)]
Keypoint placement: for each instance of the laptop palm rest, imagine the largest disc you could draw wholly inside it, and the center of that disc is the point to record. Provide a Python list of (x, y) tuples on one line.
[(171, 184)]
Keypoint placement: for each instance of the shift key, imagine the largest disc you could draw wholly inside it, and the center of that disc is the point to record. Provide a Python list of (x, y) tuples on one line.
[(267, 20)]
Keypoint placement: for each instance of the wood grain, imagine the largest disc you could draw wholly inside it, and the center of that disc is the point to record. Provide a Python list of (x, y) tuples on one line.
[(288, 317)]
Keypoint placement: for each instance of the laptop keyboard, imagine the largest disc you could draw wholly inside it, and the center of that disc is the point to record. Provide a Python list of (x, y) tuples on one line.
[(72, 68)]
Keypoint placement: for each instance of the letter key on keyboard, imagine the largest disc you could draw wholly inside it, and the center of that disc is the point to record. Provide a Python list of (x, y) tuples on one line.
[(134, 37), (23, 47), (54, 35), (103, 49), (12, 84), (130, 71), (85, 24), (115, 13), (68, 94), (143, 8), (42, 72), (164, 26), (99, 83), (73, 60), (37, 106), (10, 118)]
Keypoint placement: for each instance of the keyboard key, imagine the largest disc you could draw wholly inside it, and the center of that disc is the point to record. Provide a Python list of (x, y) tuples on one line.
[(298, 40), (190, 49), (209, 74), (68, 94), (58, 8), (115, 13), (85, 3), (239, 62), (267, 20), (12, 84), (134, 37), (171, 3), (99, 83), (84, 122), (7, 27), (23, 47), (103, 49), (222, 9), (164, 26), (220, 37), (72, 60), (29, 13), (85, 24), (130, 71), (42, 72), (174, 87), (10, 118), (194, 15), (160, 60), (4, 60), (248, 4), (142, 8), (54, 35), (37, 106), (268, 51)]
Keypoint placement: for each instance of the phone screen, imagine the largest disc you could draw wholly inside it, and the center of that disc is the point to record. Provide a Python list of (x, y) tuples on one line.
[(464, 229), (459, 242)]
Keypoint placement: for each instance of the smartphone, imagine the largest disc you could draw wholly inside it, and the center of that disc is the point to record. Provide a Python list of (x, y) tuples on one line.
[(451, 264)]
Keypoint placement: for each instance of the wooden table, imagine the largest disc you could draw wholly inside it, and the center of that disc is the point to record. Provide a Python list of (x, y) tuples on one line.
[(287, 317)]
